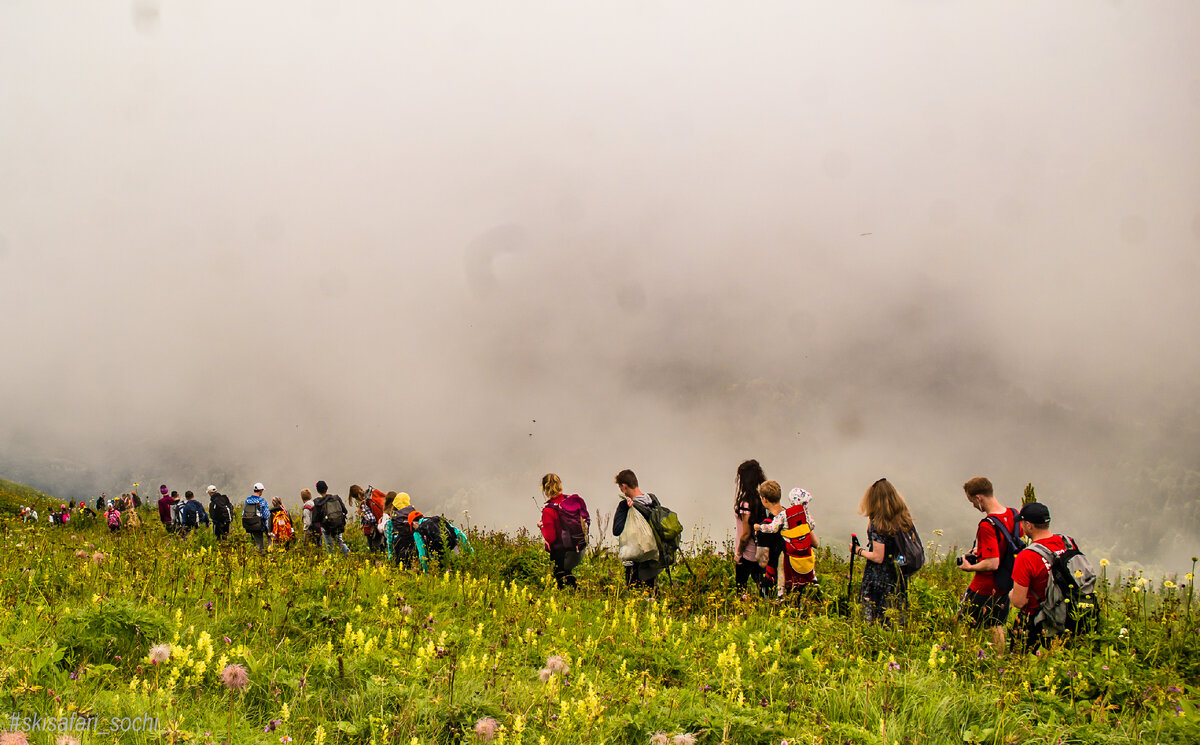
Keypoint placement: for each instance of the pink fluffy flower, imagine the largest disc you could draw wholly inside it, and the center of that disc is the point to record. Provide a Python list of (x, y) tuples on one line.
[(235, 677), (97, 557), (65, 740), (486, 728), (557, 664), (13, 738)]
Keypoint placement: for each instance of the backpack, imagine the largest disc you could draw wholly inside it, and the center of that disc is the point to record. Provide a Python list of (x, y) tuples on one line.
[(910, 551), (667, 529), (400, 527), (281, 527), (252, 522), (328, 512), (1010, 546), (114, 518), (220, 510), (438, 535), (572, 514), (1070, 602)]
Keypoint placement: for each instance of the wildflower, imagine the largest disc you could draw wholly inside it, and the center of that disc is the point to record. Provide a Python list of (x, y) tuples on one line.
[(81, 552), (319, 735), (97, 557), (659, 738), (407, 610), (545, 674), (235, 677), (486, 728), (1168, 584), (65, 740), (1188, 576), (13, 738), (938, 533), (285, 738), (686, 738), (160, 653), (1104, 562), (227, 640), (557, 664), (271, 725)]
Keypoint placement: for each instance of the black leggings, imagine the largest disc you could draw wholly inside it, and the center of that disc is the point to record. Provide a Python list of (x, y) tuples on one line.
[(746, 570)]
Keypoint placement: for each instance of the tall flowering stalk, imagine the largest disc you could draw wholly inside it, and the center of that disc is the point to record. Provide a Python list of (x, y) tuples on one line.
[(234, 678)]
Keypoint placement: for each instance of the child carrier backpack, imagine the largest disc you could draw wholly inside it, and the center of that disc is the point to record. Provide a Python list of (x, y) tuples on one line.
[(330, 515), (404, 548), (1070, 602), (1010, 546), (114, 519), (438, 535), (252, 522), (573, 520), (281, 527), (667, 529)]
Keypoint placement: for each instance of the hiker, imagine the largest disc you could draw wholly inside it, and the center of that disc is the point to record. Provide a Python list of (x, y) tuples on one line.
[(434, 537), (166, 509), (640, 571), (312, 528), (1033, 581), (884, 586), (220, 509), (400, 524), (192, 514), (256, 517), (997, 542), (749, 512), (85, 510), (64, 514), (113, 517), (565, 523), (330, 511), (797, 572), (283, 533), (101, 501), (369, 506)]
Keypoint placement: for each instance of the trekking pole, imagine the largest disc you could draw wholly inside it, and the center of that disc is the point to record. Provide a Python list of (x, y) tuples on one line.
[(850, 580)]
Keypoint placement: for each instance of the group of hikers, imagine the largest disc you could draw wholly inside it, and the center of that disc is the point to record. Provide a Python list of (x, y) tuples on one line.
[(388, 521), (1015, 560)]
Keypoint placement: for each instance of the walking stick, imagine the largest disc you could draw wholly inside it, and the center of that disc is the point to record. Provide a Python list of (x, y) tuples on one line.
[(850, 580)]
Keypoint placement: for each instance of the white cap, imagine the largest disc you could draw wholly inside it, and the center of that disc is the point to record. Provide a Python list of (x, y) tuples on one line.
[(211, 488), (259, 487)]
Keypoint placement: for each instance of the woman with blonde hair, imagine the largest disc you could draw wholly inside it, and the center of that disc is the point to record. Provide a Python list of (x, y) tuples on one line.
[(888, 519), (565, 522)]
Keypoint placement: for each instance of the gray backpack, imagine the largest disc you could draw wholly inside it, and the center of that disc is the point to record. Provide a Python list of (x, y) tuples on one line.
[(1070, 602)]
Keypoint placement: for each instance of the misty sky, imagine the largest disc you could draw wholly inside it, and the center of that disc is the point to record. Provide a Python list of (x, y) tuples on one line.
[(284, 241)]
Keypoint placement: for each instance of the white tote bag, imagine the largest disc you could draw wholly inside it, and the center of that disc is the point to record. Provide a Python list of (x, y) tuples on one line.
[(637, 539)]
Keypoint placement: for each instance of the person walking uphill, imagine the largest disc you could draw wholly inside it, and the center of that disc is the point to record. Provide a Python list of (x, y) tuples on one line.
[(220, 509), (312, 528), (638, 547), (565, 522), (256, 517), (329, 511)]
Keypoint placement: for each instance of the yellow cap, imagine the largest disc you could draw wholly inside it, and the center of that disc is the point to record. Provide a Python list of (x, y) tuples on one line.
[(401, 501)]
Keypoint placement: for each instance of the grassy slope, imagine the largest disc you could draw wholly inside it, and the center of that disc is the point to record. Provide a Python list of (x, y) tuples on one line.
[(374, 654), (13, 495)]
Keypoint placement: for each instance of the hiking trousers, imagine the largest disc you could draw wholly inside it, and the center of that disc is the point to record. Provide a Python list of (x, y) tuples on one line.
[(564, 563), (259, 540), (336, 539)]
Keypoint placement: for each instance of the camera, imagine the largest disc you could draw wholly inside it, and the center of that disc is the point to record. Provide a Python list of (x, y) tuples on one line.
[(969, 559)]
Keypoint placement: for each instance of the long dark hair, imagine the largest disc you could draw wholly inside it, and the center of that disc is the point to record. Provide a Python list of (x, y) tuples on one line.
[(749, 476)]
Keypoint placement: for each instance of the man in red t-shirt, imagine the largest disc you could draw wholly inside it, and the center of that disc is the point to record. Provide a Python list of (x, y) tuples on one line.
[(985, 603), (1031, 573)]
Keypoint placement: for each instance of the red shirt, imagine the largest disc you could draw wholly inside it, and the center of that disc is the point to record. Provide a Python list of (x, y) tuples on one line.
[(1030, 570), (987, 546)]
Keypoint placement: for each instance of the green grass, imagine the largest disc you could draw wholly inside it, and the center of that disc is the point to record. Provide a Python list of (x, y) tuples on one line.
[(348, 651)]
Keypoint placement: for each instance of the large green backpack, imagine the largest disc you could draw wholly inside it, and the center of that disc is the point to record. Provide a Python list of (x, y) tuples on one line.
[(667, 529)]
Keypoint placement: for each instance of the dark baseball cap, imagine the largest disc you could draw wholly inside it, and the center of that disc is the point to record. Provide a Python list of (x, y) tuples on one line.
[(1035, 513)]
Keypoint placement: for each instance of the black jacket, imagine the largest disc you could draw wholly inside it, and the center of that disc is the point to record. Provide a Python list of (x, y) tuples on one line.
[(220, 509)]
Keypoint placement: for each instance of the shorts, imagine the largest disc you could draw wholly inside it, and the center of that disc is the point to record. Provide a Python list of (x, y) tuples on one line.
[(984, 611)]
